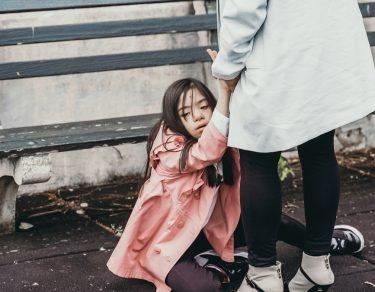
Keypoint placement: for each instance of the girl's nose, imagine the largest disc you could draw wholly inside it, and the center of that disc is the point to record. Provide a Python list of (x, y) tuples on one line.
[(198, 115)]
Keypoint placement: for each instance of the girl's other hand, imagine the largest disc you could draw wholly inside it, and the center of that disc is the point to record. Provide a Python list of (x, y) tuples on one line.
[(227, 85)]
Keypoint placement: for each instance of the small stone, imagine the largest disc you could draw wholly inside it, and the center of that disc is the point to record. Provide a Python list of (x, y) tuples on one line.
[(80, 212), (84, 205), (35, 284), (25, 226)]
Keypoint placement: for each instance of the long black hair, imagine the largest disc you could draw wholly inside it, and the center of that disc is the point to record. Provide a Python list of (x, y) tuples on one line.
[(170, 119)]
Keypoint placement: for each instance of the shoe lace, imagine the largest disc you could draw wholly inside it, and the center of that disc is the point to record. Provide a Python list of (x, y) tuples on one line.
[(338, 243)]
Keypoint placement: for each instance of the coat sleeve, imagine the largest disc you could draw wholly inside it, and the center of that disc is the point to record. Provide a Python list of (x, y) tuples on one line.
[(209, 149), (238, 22)]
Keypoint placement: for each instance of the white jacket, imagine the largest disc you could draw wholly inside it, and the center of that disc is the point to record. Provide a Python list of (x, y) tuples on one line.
[(306, 68)]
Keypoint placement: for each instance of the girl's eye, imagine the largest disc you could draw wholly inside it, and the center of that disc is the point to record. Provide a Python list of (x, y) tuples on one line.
[(185, 115), (204, 107)]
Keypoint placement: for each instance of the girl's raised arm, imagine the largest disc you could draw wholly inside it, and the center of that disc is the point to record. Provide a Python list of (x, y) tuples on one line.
[(212, 144), (209, 148)]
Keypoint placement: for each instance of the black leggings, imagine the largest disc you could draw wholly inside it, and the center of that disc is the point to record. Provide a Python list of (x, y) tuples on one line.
[(261, 199), (187, 275)]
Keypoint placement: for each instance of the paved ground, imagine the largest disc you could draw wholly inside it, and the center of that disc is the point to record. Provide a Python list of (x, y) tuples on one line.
[(66, 251)]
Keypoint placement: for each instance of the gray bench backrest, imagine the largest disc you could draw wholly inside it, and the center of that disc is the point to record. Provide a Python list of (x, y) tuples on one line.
[(30, 35), (82, 135)]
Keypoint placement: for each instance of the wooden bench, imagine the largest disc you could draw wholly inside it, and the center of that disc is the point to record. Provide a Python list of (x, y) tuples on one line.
[(24, 152)]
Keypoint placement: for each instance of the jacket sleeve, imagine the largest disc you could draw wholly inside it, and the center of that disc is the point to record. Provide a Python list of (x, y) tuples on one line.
[(208, 150), (238, 22)]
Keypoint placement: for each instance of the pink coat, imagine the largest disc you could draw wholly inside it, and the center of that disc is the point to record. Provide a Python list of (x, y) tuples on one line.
[(172, 208)]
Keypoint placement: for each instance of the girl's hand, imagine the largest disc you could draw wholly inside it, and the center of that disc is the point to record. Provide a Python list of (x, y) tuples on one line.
[(226, 85)]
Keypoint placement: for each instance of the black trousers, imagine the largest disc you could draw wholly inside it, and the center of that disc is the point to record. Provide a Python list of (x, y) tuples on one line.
[(187, 275), (261, 199)]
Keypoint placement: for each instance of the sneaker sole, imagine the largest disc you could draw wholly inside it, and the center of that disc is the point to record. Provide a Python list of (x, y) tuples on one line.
[(356, 232)]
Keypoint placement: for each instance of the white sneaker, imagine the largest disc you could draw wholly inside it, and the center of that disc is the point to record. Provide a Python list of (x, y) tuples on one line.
[(266, 279), (314, 274)]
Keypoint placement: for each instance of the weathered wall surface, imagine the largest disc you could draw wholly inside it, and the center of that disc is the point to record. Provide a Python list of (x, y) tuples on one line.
[(90, 96)]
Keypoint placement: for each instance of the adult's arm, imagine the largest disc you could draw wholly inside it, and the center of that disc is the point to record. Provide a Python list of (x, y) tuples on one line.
[(239, 21)]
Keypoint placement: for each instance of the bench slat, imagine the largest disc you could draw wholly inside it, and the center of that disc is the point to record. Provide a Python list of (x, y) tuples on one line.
[(371, 37), (39, 68), (43, 34), (14, 6), (75, 136), (54, 67), (367, 9)]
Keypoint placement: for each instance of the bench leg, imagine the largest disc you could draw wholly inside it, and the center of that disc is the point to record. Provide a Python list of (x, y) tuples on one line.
[(8, 192)]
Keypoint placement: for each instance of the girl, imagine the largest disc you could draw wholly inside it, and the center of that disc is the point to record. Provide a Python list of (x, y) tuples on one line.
[(190, 201)]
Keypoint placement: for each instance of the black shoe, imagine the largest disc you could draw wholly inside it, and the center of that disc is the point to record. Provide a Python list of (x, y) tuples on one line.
[(230, 274), (346, 240)]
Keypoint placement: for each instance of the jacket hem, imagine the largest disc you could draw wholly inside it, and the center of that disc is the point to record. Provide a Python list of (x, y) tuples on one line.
[(238, 143)]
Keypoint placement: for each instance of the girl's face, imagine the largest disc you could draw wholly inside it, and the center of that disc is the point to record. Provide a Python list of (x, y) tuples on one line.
[(194, 112)]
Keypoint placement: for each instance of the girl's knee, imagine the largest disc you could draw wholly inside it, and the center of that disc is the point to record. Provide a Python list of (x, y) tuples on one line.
[(198, 285), (208, 285), (189, 276)]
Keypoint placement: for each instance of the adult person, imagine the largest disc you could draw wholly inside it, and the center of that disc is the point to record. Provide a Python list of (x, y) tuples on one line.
[(304, 68)]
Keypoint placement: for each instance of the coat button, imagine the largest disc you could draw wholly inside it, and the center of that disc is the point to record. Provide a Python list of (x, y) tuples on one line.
[(180, 224), (188, 194), (157, 250)]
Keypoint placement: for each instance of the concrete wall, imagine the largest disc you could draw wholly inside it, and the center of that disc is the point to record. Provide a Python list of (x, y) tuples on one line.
[(110, 94)]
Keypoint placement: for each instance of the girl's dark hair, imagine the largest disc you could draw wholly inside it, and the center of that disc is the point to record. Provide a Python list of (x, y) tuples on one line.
[(170, 119)]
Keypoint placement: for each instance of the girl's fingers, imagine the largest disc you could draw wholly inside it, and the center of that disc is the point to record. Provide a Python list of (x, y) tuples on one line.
[(212, 54)]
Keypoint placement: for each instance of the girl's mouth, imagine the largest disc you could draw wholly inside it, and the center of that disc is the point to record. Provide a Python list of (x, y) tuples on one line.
[(201, 127)]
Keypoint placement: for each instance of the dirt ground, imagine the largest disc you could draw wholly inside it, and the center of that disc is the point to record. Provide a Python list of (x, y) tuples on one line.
[(64, 238)]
